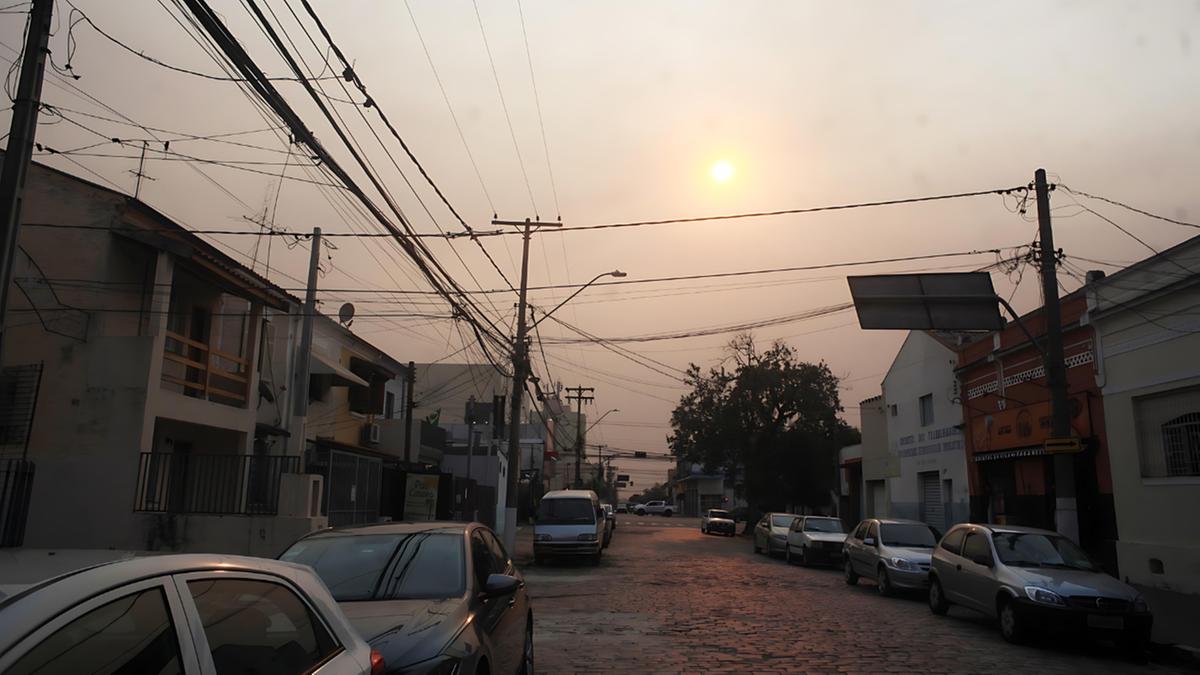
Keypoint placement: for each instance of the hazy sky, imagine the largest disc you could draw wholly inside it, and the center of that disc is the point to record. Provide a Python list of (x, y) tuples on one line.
[(812, 103)]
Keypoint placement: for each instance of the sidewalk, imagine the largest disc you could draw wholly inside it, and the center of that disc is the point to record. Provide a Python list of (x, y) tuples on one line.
[(1176, 619), (523, 550)]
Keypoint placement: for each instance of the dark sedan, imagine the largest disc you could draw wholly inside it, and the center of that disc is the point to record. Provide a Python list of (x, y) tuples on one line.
[(440, 598)]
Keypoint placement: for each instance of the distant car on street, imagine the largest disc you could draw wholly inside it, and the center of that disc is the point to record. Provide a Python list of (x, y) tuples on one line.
[(815, 539), (181, 614), (1035, 581), (894, 553), (429, 597), (718, 521), (770, 534), (610, 523), (623, 507), (655, 508)]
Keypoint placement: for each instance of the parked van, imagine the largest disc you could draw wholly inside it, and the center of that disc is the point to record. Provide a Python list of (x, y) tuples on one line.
[(569, 523)]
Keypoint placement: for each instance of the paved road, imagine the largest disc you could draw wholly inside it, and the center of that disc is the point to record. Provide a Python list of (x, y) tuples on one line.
[(666, 598)]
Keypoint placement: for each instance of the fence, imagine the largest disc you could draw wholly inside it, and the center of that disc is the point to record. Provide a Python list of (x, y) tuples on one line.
[(16, 487), (216, 484)]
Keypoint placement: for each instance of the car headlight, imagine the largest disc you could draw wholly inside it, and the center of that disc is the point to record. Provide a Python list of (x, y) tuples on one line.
[(587, 537), (1043, 596), (902, 564), (1140, 606), (542, 537)]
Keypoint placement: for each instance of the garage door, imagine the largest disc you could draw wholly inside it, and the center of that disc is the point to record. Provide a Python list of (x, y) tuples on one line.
[(930, 487)]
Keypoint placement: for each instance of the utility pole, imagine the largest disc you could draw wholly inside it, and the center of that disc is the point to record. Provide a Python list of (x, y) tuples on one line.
[(1066, 516), (304, 356), (409, 404), (140, 173), (470, 452), (520, 372), (577, 394), (20, 144)]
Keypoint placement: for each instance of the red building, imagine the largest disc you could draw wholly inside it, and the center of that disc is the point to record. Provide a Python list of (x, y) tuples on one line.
[(1006, 413)]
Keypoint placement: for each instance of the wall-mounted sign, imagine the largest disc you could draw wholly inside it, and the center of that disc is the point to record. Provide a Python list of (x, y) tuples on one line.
[(1026, 426)]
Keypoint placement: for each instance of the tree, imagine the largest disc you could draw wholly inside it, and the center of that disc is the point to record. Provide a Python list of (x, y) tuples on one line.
[(773, 416)]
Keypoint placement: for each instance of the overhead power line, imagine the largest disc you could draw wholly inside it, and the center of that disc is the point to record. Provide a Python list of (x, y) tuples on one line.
[(1127, 207)]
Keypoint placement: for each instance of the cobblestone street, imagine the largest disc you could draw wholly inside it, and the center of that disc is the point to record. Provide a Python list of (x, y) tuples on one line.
[(666, 598)]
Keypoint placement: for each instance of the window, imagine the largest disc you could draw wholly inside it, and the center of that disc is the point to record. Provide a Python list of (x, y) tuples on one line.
[(389, 406), (131, 634), (481, 557), (873, 532), (258, 627), (976, 548), (1168, 430), (831, 525), (496, 549), (782, 520), (908, 535), (861, 531), (568, 511), (1020, 549), (953, 541), (926, 404), (427, 564), (894, 409)]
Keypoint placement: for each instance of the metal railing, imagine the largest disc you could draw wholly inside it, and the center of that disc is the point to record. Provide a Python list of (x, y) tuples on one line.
[(214, 484), (16, 487)]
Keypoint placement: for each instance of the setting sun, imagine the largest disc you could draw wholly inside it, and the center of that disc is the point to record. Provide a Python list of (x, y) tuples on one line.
[(721, 171)]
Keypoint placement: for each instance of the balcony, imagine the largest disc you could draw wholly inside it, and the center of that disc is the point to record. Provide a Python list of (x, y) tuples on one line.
[(212, 484), (202, 371)]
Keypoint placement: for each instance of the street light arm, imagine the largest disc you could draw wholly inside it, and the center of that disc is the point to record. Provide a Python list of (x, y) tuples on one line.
[(598, 277), (599, 419)]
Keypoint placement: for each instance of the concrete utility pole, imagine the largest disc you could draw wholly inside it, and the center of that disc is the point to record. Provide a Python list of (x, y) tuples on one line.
[(1066, 516), (470, 453), (409, 403), (304, 355), (576, 394), (20, 144), (520, 372)]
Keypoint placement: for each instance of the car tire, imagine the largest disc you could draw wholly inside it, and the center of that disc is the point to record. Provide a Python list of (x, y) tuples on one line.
[(805, 559), (937, 598), (787, 554), (1012, 628), (703, 530), (848, 573), (527, 651), (667, 513), (756, 548), (883, 584)]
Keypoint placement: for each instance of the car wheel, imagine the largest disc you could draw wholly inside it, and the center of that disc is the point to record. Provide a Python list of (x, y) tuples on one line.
[(756, 548), (804, 557), (882, 583), (787, 554), (850, 575), (937, 598), (702, 530), (527, 653), (667, 513), (1011, 627)]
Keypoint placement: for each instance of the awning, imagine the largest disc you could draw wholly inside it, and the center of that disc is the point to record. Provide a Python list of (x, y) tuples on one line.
[(323, 365), (1032, 451)]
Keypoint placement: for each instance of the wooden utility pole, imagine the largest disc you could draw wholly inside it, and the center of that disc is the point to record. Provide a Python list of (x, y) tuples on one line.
[(520, 367), (1066, 516), (20, 144), (577, 394)]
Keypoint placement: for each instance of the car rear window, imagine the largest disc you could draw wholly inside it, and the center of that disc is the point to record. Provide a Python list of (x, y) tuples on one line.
[(823, 525), (419, 565), (782, 520), (565, 512)]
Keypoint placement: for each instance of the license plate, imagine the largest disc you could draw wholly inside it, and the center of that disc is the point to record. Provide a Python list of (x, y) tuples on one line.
[(1109, 622)]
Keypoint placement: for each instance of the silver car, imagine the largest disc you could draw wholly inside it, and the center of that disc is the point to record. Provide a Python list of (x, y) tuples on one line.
[(1034, 580), (894, 553), (770, 534), (181, 614)]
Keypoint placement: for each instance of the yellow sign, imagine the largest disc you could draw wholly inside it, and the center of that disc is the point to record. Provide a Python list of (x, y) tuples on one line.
[(1056, 446)]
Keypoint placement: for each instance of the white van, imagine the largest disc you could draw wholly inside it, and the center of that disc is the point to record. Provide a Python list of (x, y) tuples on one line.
[(569, 523)]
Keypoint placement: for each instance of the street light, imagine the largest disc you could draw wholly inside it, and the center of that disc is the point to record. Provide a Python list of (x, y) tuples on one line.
[(598, 420), (615, 273)]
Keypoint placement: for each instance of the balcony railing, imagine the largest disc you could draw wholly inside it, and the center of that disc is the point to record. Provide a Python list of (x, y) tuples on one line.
[(205, 372), (185, 482)]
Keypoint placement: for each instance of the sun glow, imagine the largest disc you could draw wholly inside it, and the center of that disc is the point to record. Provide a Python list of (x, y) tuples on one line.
[(722, 171)]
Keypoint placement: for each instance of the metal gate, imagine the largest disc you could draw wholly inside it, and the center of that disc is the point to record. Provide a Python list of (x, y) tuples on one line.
[(930, 490), (353, 487), (16, 487)]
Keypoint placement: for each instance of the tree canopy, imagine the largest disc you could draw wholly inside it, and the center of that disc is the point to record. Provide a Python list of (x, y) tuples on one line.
[(772, 419)]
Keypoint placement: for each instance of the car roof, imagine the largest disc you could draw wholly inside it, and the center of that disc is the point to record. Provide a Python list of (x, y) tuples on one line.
[(396, 527), (896, 521), (568, 494), (1014, 529), (822, 517)]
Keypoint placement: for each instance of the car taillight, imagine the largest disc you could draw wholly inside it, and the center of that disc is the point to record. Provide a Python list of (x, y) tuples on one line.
[(377, 665)]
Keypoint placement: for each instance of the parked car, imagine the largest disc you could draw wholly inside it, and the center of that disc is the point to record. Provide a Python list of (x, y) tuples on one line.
[(770, 534), (428, 597), (181, 614), (623, 507), (718, 521), (610, 523), (1034, 580), (655, 508), (815, 539), (569, 523), (894, 553)]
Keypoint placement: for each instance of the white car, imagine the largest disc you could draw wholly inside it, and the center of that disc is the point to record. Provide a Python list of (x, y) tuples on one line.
[(718, 521), (770, 534), (815, 539), (656, 508), (181, 614)]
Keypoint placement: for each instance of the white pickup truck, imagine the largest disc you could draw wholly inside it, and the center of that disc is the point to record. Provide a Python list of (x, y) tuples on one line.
[(655, 509)]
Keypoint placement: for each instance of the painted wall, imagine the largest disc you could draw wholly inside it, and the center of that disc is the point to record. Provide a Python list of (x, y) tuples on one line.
[(925, 366)]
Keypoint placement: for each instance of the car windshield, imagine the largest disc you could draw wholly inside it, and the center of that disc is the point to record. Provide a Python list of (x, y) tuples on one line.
[(419, 565), (565, 512), (782, 520), (822, 525), (907, 535), (1021, 549), (717, 513)]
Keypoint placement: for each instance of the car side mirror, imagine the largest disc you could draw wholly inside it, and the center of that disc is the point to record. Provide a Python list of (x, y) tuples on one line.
[(498, 585), (869, 541)]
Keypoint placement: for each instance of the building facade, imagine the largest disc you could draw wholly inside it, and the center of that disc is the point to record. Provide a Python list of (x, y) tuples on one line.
[(878, 462)]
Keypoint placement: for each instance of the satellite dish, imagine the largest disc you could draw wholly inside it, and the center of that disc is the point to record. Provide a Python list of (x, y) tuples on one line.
[(346, 314)]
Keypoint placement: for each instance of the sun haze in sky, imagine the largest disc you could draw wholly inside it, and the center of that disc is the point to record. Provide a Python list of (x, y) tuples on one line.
[(721, 171)]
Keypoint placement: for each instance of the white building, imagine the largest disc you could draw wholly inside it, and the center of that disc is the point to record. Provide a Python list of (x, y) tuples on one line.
[(878, 464), (1147, 323), (924, 432)]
